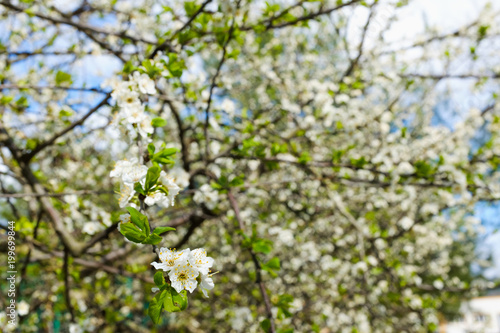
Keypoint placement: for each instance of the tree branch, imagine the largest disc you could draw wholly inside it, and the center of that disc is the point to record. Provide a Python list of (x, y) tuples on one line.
[(258, 269), (27, 157)]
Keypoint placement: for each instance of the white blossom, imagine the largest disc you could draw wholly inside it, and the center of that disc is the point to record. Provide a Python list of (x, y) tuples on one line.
[(171, 259), (199, 260), (173, 188), (144, 83), (206, 284), (184, 277), (127, 192)]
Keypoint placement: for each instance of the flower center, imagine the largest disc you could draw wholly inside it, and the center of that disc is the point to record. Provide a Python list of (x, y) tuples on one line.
[(182, 276)]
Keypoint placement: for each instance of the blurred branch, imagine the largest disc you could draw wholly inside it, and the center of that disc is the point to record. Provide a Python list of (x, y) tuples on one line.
[(31, 194), (214, 81), (182, 134), (80, 26), (27, 157), (14, 86), (457, 33), (90, 264), (167, 44), (321, 11), (354, 62), (258, 269)]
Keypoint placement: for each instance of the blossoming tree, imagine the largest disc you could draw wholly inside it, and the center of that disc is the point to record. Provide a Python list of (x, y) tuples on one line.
[(292, 141)]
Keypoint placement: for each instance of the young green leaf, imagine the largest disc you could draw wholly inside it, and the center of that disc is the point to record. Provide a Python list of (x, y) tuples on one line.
[(152, 177), (62, 77), (180, 299), (140, 220), (168, 302), (131, 232), (153, 239), (274, 263), (156, 305), (158, 122), (138, 188), (159, 279), (151, 149), (161, 230), (262, 245), (265, 325)]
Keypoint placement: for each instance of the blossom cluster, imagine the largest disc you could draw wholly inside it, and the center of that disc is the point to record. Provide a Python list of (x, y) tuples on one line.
[(131, 172), (132, 114), (127, 97), (184, 267)]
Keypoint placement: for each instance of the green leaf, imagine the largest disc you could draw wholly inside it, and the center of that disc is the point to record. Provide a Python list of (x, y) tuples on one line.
[(265, 325), (6, 99), (180, 299), (190, 7), (62, 77), (160, 230), (274, 263), (131, 232), (359, 163), (163, 160), (138, 188), (304, 158), (159, 279), (129, 67), (152, 239), (151, 149), (163, 156), (167, 152), (140, 220), (31, 144), (152, 177), (163, 189), (423, 169), (175, 65), (150, 68), (22, 102), (65, 113), (156, 305), (237, 181), (158, 122), (168, 302), (262, 245), (284, 304)]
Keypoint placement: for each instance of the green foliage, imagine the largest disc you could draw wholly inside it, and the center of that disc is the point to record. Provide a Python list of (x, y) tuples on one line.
[(63, 77), (150, 68), (164, 156), (167, 299), (272, 266), (158, 122), (174, 65), (161, 230), (152, 178)]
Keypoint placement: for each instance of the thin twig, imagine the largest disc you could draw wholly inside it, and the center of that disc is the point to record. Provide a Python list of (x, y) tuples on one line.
[(258, 268), (307, 17), (62, 194), (27, 157), (214, 81), (18, 87)]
